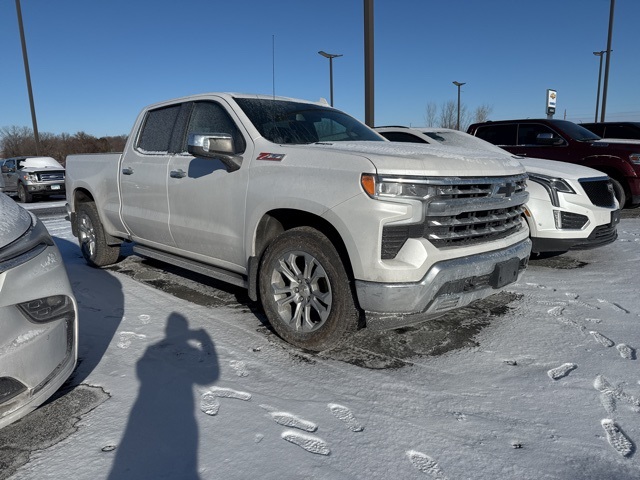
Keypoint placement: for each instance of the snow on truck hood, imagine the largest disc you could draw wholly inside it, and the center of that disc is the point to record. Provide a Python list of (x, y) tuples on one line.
[(14, 221), (428, 160)]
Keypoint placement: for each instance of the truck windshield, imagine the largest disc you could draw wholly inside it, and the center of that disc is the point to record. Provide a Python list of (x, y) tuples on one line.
[(577, 132), (289, 122)]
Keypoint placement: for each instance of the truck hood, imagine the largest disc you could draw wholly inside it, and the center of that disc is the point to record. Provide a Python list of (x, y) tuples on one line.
[(14, 221), (428, 160), (551, 168)]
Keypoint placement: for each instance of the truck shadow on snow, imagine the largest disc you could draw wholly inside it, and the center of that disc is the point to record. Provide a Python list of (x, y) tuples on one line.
[(366, 348)]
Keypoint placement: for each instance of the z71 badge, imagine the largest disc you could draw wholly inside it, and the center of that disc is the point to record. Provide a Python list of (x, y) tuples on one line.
[(275, 157)]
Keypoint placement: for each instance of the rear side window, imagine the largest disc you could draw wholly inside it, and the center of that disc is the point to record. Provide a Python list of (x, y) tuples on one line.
[(499, 134), (158, 129), (621, 131)]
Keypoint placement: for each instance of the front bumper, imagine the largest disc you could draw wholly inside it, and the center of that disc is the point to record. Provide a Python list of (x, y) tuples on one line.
[(447, 285), (46, 188), (36, 358)]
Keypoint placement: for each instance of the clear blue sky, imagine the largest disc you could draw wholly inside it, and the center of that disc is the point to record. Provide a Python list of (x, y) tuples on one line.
[(95, 64)]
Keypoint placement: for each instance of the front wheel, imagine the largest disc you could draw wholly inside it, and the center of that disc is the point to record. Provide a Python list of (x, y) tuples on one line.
[(305, 290), (92, 238), (23, 194), (619, 192)]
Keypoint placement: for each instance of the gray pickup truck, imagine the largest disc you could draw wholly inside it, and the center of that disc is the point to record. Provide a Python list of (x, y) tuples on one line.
[(31, 177), (327, 224)]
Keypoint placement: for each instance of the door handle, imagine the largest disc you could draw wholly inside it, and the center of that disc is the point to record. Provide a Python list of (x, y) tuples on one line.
[(127, 171), (178, 173)]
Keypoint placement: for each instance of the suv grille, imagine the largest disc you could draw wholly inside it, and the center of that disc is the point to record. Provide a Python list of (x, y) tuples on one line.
[(599, 191), (464, 212)]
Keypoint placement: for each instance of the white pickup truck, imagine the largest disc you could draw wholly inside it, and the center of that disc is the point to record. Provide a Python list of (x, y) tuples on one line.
[(329, 226)]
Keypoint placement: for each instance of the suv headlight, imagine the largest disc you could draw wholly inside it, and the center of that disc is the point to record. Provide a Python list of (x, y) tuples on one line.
[(552, 185), (47, 309)]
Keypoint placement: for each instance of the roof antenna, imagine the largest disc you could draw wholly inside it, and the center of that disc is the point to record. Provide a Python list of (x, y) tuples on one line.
[(273, 64)]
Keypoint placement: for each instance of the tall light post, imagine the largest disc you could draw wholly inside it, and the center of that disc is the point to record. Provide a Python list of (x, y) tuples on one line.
[(28, 75), (606, 68), (330, 56), (599, 54), (459, 84)]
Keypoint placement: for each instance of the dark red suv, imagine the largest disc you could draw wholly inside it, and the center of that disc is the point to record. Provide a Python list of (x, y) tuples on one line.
[(568, 142)]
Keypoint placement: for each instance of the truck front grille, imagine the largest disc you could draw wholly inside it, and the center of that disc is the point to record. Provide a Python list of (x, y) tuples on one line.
[(464, 212), (52, 176), (599, 191)]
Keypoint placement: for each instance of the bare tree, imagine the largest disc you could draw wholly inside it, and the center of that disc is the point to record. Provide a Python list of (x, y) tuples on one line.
[(482, 113), (19, 141), (430, 115), (448, 115)]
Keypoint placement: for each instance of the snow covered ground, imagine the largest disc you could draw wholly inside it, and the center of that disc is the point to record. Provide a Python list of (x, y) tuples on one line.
[(550, 388)]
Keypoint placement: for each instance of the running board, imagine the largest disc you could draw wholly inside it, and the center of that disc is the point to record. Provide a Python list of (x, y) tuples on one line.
[(192, 265)]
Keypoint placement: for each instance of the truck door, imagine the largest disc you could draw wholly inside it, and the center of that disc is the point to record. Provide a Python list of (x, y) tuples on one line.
[(10, 175), (143, 177), (206, 201)]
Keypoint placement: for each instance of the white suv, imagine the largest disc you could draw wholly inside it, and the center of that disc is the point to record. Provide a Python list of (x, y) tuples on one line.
[(570, 207)]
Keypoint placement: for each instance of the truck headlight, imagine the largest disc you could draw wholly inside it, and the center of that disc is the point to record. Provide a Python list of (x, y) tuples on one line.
[(29, 177), (389, 186), (552, 185)]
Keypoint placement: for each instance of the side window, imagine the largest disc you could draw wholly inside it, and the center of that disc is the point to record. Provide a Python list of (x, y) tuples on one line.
[(528, 134), (498, 134), (402, 137), (620, 131), (210, 117), (158, 129)]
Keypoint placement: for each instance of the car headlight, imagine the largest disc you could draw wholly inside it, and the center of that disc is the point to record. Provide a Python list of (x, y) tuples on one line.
[(552, 185), (47, 309), (389, 187), (635, 158)]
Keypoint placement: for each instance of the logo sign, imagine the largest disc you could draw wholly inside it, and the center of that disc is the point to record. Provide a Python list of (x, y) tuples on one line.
[(274, 157), (505, 190), (552, 95)]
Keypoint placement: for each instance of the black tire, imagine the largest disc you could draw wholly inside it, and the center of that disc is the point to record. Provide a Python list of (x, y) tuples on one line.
[(92, 239), (305, 291), (619, 192), (23, 194)]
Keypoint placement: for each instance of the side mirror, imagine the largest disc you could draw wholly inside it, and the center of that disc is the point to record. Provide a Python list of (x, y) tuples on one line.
[(5, 169), (214, 145), (548, 139)]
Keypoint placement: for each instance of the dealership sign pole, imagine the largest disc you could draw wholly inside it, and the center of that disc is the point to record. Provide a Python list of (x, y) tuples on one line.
[(551, 103)]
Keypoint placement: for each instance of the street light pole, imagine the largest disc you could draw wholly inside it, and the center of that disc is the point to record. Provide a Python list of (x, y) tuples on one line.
[(599, 54), (26, 71), (606, 68), (330, 56), (459, 84)]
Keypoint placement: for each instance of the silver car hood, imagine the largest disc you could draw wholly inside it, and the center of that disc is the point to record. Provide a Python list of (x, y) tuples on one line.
[(14, 221)]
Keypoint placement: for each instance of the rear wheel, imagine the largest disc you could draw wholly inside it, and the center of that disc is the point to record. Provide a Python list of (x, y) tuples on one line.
[(305, 290), (92, 238), (23, 194)]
